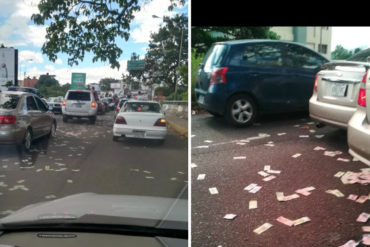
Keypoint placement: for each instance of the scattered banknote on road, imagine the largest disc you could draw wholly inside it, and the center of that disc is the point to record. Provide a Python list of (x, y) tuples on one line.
[(301, 221), (262, 228), (213, 190), (319, 148), (362, 199), (363, 217), (296, 155), (255, 189), (263, 174), (252, 204), (339, 174), (352, 197), (291, 197), (201, 176), (280, 196), (343, 160), (365, 228), (250, 187), (366, 239), (193, 165), (350, 243), (335, 192), (229, 216), (305, 191), (240, 158), (269, 178), (285, 221)]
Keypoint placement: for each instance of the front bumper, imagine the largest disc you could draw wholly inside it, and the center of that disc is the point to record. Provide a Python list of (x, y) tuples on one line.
[(358, 136), (335, 115), (158, 133)]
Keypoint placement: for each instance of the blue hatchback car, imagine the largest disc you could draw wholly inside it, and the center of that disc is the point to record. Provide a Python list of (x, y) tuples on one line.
[(241, 79)]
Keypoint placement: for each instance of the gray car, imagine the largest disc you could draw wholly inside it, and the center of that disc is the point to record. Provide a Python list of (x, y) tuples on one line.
[(359, 125), (336, 88), (80, 104), (23, 118)]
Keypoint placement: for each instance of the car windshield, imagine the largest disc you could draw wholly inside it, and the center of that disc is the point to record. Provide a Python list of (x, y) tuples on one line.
[(142, 107), (8, 101), (82, 96)]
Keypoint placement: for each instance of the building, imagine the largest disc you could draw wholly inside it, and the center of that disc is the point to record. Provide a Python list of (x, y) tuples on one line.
[(28, 82), (317, 38)]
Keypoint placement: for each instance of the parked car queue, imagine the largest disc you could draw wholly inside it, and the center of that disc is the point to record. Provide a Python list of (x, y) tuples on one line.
[(242, 79)]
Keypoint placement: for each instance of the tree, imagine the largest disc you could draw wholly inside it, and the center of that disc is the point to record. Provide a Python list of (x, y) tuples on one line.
[(105, 83), (9, 84), (167, 53), (341, 53), (203, 37), (47, 81), (80, 26)]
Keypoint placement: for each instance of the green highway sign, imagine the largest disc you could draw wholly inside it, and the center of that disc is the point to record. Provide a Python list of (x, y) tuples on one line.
[(78, 81), (135, 65)]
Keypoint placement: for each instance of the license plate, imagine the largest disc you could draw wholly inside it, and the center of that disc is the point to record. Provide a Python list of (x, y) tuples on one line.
[(201, 99), (139, 133), (77, 105), (338, 90)]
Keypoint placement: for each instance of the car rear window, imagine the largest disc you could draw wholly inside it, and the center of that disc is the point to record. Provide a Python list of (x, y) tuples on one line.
[(142, 107), (8, 101), (213, 57), (83, 96)]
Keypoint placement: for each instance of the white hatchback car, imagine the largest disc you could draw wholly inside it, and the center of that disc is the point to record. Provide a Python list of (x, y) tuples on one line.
[(140, 119)]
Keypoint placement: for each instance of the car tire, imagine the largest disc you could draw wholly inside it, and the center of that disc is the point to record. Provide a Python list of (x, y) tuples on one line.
[(53, 130), (241, 110), (25, 146)]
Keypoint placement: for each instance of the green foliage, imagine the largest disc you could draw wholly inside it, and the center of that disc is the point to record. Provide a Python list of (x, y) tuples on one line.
[(196, 59), (340, 53), (9, 84), (165, 91), (203, 37), (76, 27), (54, 91), (164, 63), (105, 83), (47, 81)]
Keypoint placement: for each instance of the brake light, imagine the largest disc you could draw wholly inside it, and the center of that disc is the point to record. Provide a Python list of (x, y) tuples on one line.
[(315, 85), (362, 93), (7, 119), (120, 120), (161, 122), (63, 103), (218, 76), (93, 104)]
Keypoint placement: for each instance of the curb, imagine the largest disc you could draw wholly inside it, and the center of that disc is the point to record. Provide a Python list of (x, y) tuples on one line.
[(180, 130)]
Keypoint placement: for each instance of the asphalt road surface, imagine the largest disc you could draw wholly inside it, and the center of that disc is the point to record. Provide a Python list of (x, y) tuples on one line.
[(272, 141), (84, 158)]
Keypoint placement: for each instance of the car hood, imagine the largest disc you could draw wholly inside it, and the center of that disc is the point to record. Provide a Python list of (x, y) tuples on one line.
[(159, 212)]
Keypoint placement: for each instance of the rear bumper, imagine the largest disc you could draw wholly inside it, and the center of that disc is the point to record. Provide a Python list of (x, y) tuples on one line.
[(11, 136), (89, 113), (212, 102), (330, 114), (358, 136), (139, 132)]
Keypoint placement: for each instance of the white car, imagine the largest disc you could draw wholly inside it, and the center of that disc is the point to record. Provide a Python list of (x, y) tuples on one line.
[(80, 104), (140, 119)]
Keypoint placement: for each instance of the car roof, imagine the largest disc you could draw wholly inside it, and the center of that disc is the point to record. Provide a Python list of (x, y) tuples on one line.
[(16, 92)]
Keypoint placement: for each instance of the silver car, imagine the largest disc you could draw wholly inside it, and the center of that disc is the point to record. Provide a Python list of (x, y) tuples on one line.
[(336, 87), (359, 125), (79, 103), (23, 118)]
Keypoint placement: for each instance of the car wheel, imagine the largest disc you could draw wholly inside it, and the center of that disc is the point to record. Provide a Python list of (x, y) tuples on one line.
[(241, 111), (53, 130), (25, 147)]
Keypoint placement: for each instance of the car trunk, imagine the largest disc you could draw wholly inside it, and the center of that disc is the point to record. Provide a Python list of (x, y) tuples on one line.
[(78, 102), (340, 82), (142, 119)]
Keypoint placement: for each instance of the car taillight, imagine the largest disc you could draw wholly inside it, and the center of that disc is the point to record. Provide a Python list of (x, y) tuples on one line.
[(120, 120), (93, 104), (63, 103), (161, 122), (218, 76), (315, 85), (7, 119), (117, 108), (362, 93)]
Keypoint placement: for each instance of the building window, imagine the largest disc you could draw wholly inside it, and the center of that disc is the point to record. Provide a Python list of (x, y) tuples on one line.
[(323, 48)]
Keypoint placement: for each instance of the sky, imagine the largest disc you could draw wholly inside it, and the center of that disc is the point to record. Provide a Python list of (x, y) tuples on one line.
[(350, 37), (16, 30)]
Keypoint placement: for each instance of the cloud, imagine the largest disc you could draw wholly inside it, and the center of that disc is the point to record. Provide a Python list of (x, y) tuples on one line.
[(350, 37), (59, 61), (144, 23), (27, 55)]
